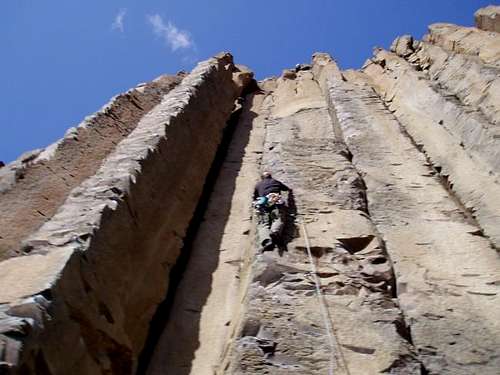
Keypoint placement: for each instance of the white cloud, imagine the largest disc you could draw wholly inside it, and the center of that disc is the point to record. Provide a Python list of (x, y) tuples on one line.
[(118, 22), (175, 38)]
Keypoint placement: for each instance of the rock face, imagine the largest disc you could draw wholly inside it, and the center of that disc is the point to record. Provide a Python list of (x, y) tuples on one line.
[(80, 300), (488, 18), (33, 187), (130, 245), (283, 328)]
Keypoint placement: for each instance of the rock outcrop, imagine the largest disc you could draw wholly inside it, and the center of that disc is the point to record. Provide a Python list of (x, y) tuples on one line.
[(80, 298), (34, 186), (130, 245), (488, 18), (283, 327)]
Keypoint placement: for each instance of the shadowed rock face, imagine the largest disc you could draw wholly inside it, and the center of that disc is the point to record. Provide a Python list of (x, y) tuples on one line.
[(95, 271), (33, 187), (130, 245)]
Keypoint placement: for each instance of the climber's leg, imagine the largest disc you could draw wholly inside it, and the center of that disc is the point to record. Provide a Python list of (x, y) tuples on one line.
[(278, 215), (263, 231)]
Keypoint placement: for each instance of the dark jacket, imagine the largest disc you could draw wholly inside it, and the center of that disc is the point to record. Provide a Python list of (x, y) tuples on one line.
[(269, 185)]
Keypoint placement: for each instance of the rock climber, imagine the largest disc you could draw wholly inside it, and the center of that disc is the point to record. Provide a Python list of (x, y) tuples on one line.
[(271, 209)]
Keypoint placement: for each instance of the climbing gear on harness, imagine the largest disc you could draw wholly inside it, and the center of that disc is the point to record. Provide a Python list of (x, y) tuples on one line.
[(274, 198), (260, 203), (263, 204), (327, 320)]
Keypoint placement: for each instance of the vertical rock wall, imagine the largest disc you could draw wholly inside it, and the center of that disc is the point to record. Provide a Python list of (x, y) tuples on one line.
[(33, 187), (455, 136), (395, 174), (422, 124), (395, 177), (444, 270), (206, 306), (80, 302), (284, 329)]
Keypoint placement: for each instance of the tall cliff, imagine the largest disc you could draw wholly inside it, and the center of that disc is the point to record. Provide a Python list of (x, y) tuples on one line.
[(129, 247)]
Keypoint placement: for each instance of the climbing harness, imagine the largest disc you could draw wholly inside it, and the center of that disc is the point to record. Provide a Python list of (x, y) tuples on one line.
[(274, 198), (327, 320), (260, 204), (267, 203)]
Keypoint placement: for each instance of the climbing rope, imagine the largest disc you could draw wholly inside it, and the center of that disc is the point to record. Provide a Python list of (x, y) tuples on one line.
[(327, 320)]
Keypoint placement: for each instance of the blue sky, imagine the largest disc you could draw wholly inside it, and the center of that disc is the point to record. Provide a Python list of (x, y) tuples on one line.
[(62, 60)]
